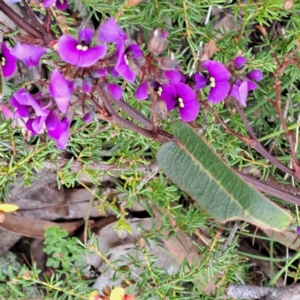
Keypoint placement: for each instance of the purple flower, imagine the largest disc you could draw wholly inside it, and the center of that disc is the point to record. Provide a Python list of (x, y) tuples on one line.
[(240, 91), (78, 52), (23, 101), (8, 61), (218, 80), (115, 90), (58, 130), (124, 58), (60, 4), (111, 32), (61, 90), (239, 62), (181, 96), (30, 55), (298, 230), (255, 75)]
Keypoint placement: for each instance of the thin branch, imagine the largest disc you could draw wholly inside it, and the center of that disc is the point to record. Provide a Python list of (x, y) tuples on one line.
[(11, 14)]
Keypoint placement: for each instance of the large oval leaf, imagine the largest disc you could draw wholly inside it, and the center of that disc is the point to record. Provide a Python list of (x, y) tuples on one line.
[(196, 169)]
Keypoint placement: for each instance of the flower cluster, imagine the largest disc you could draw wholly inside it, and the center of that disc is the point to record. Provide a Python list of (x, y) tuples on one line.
[(95, 67)]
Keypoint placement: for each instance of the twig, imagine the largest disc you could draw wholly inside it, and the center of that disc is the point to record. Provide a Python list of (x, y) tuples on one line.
[(47, 36), (254, 143), (19, 20), (239, 291)]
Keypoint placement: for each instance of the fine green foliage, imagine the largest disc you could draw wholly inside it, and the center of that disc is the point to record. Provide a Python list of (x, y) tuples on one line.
[(193, 166)]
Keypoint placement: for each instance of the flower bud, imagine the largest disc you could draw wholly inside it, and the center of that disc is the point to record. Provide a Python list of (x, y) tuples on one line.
[(168, 62), (158, 42)]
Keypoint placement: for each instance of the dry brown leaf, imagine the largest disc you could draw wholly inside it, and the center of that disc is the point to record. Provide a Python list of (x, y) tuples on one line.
[(209, 50), (262, 30), (182, 247), (288, 4), (33, 227)]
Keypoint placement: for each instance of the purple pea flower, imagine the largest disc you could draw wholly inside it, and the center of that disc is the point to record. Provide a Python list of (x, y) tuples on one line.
[(218, 77), (60, 4), (78, 52), (23, 101), (241, 89), (255, 75), (29, 54), (61, 90), (111, 32), (239, 62), (181, 96), (7, 60), (58, 129)]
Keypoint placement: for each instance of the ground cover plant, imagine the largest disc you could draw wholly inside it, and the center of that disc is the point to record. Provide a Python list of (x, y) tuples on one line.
[(149, 149)]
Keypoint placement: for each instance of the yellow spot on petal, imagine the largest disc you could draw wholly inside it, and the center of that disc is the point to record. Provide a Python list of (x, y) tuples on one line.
[(117, 294), (181, 104), (79, 47), (212, 82), (84, 48), (6, 207)]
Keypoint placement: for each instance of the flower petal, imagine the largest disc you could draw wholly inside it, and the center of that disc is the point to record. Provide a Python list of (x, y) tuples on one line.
[(23, 98), (53, 125), (90, 56), (216, 70), (142, 91), (190, 110), (169, 95), (30, 55), (219, 92), (200, 81), (111, 32), (10, 63), (115, 90), (66, 48), (185, 92), (61, 5), (85, 35), (255, 75), (62, 141), (173, 76), (48, 3), (60, 89)]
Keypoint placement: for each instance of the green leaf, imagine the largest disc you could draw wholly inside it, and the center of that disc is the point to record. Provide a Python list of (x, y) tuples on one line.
[(196, 169)]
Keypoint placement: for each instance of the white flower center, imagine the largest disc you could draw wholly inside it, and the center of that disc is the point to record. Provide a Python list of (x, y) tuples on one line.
[(180, 101), (126, 60), (212, 82), (3, 61), (82, 47), (159, 91)]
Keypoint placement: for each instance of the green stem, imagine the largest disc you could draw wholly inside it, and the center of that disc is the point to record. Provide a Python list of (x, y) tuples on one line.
[(288, 264), (269, 136)]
